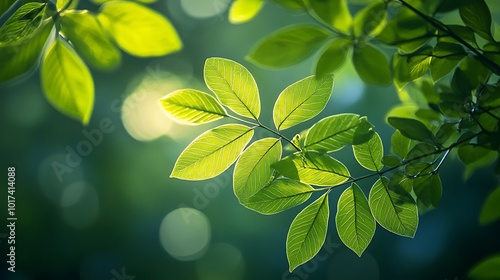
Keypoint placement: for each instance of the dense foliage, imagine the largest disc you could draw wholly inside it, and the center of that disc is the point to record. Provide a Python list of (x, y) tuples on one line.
[(447, 79)]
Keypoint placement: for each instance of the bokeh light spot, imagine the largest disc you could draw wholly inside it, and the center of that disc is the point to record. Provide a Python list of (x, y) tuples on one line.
[(204, 8), (185, 234), (80, 205)]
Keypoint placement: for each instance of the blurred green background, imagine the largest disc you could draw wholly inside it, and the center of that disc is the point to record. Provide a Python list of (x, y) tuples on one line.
[(114, 213)]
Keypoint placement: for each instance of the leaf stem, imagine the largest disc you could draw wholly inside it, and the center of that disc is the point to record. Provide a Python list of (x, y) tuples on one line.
[(442, 27), (259, 124)]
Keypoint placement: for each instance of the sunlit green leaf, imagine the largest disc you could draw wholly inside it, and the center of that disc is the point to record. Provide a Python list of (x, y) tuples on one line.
[(487, 269), (428, 189), (491, 208), (212, 152), (307, 232), (333, 12), (369, 154), (253, 171), (23, 22), (89, 40), (333, 57), (244, 10), (302, 101), (66, 4), (448, 132), (412, 129), (393, 208), (335, 132), (313, 168), (18, 57), (278, 196), (138, 30), (190, 106), (354, 220), (399, 180), (476, 15), (371, 65), (67, 82), (233, 85), (422, 152), (141, 1), (370, 21), (391, 161), (288, 46), (400, 144), (446, 58)]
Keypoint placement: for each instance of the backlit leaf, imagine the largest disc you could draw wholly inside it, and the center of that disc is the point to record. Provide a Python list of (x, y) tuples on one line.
[(370, 21), (278, 196), (66, 82), (400, 144), (487, 269), (244, 10), (335, 132), (333, 57), (138, 30), (212, 152), (371, 65), (190, 106), (23, 22), (89, 40), (354, 220), (476, 15), (66, 4), (334, 13), (233, 85), (369, 154), (302, 101), (393, 208), (307, 232), (313, 168), (288, 46), (253, 171)]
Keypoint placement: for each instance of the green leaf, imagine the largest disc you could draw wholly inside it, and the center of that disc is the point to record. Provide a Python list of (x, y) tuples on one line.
[(471, 153), (307, 232), (355, 223), (491, 208), (487, 269), (292, 4), (288, 46), (253, 171), (302, 101), (140, 1), (476, 15), (212, 152), (393, 208), (94, 45), (138, 30), (334, 13), (446, 58), (372, 65), (233, 85), (244, 10), (370, 21), (369, 154), (18, 57), (335, 132), (409, 67), (313, 168), (333, 57), (399, 180), (475, 73), (67, 82), (447, 134), (391, 161), (190, 106), (5, 5), (278, 196), (66, 4), (428, 189), (23, 22), (400, 144), (412, 129)]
